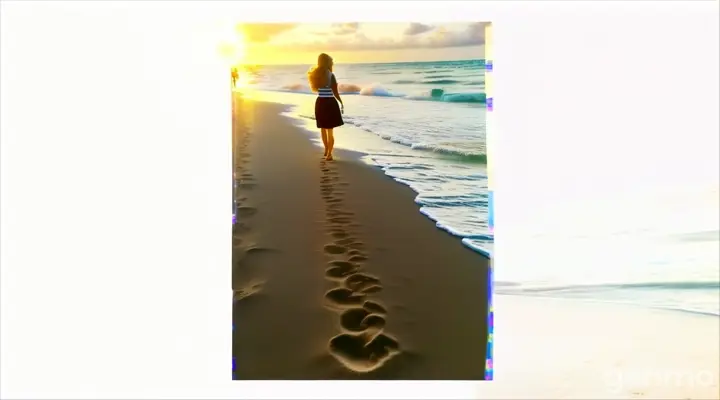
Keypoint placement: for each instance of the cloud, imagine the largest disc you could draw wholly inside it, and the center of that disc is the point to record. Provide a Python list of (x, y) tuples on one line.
[(416, 28), (472, 35), (345, 28), (477, 30), (261, 33)]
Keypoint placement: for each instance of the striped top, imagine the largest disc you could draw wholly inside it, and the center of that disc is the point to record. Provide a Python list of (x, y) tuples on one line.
[(327, 90)]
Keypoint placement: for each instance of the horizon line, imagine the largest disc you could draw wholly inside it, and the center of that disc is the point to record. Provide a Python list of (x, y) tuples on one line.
[(368, 62)]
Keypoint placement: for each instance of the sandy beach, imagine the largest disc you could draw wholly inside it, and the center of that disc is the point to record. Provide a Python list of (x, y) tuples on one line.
[(336, 274), (563, 349)]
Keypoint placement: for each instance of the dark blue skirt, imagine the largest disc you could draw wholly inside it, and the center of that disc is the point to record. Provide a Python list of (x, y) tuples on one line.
[(327, 113)]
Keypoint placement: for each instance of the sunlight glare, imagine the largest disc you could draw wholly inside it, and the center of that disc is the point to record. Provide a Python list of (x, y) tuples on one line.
[(232, 46)]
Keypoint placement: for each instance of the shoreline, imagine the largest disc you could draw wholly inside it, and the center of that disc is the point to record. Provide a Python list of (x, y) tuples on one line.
[(336, 273), (307, 125), (611, 303), (360, 156)]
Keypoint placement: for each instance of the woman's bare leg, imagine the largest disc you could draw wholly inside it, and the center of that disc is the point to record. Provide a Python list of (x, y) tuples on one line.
[(323, 133), (330, 143)]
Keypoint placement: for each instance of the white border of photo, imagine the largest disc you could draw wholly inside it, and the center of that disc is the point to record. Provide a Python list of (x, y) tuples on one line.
[(116, 155)]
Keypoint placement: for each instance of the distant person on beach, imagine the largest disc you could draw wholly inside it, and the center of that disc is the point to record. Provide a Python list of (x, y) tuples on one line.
[(234, 76), (328, 114)]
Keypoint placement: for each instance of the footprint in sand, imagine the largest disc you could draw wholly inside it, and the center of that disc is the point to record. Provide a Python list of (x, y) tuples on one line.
[(357, 245), (237, 241), (360, 282), (258, 250), (374, 308), (240, 228), (339, 234), (246, 185), (363, 352), (372, 289), (340, 269), (357, 258), (361, 320), (338, 213), (345, 242), (247, 255), (364, 347), (334, 211), (335, 249), (338, 220), (245, 292), (344, 297), (243, 212)]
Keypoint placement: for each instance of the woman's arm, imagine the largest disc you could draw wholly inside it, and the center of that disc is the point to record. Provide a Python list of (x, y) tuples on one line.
[(334, 85)]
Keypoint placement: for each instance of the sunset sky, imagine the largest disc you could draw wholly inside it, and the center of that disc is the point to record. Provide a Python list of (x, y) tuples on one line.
[(289, 43)]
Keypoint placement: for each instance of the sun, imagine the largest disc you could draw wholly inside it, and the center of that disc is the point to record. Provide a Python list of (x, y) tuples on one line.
[(233, 47)]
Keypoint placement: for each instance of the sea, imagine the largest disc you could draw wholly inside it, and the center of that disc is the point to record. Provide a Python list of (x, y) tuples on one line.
[(654, 248), (424, 125)]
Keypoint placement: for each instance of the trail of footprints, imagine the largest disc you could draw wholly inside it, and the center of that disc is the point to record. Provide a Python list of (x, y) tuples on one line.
[(363, 346), (243, 251)]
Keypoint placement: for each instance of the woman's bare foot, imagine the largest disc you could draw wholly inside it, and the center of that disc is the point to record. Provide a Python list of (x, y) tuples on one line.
[(329, 157)]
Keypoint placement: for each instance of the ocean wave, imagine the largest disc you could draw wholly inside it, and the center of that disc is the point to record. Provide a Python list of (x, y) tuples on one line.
[(445, 151), (479, 246), (451, 202), (702, 236), (343, 88), (630, 293), (438, 76), (439, 149), (479, 243), (436, 94), (376, 90), (441, 82), (670, 285), (436, 82)]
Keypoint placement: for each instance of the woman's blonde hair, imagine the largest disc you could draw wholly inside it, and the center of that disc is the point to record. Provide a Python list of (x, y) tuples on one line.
[(319, 74)]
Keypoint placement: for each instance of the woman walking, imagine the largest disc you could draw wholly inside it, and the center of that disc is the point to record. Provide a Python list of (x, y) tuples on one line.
[(328, 114)]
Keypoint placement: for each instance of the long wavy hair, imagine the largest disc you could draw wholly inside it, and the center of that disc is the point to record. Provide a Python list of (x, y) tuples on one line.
[(318, 75)]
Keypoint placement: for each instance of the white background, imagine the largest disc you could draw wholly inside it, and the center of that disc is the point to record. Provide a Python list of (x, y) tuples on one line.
[(116, 169)]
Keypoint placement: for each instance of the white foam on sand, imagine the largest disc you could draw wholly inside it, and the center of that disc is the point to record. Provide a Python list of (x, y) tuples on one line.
[(562, 349)]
